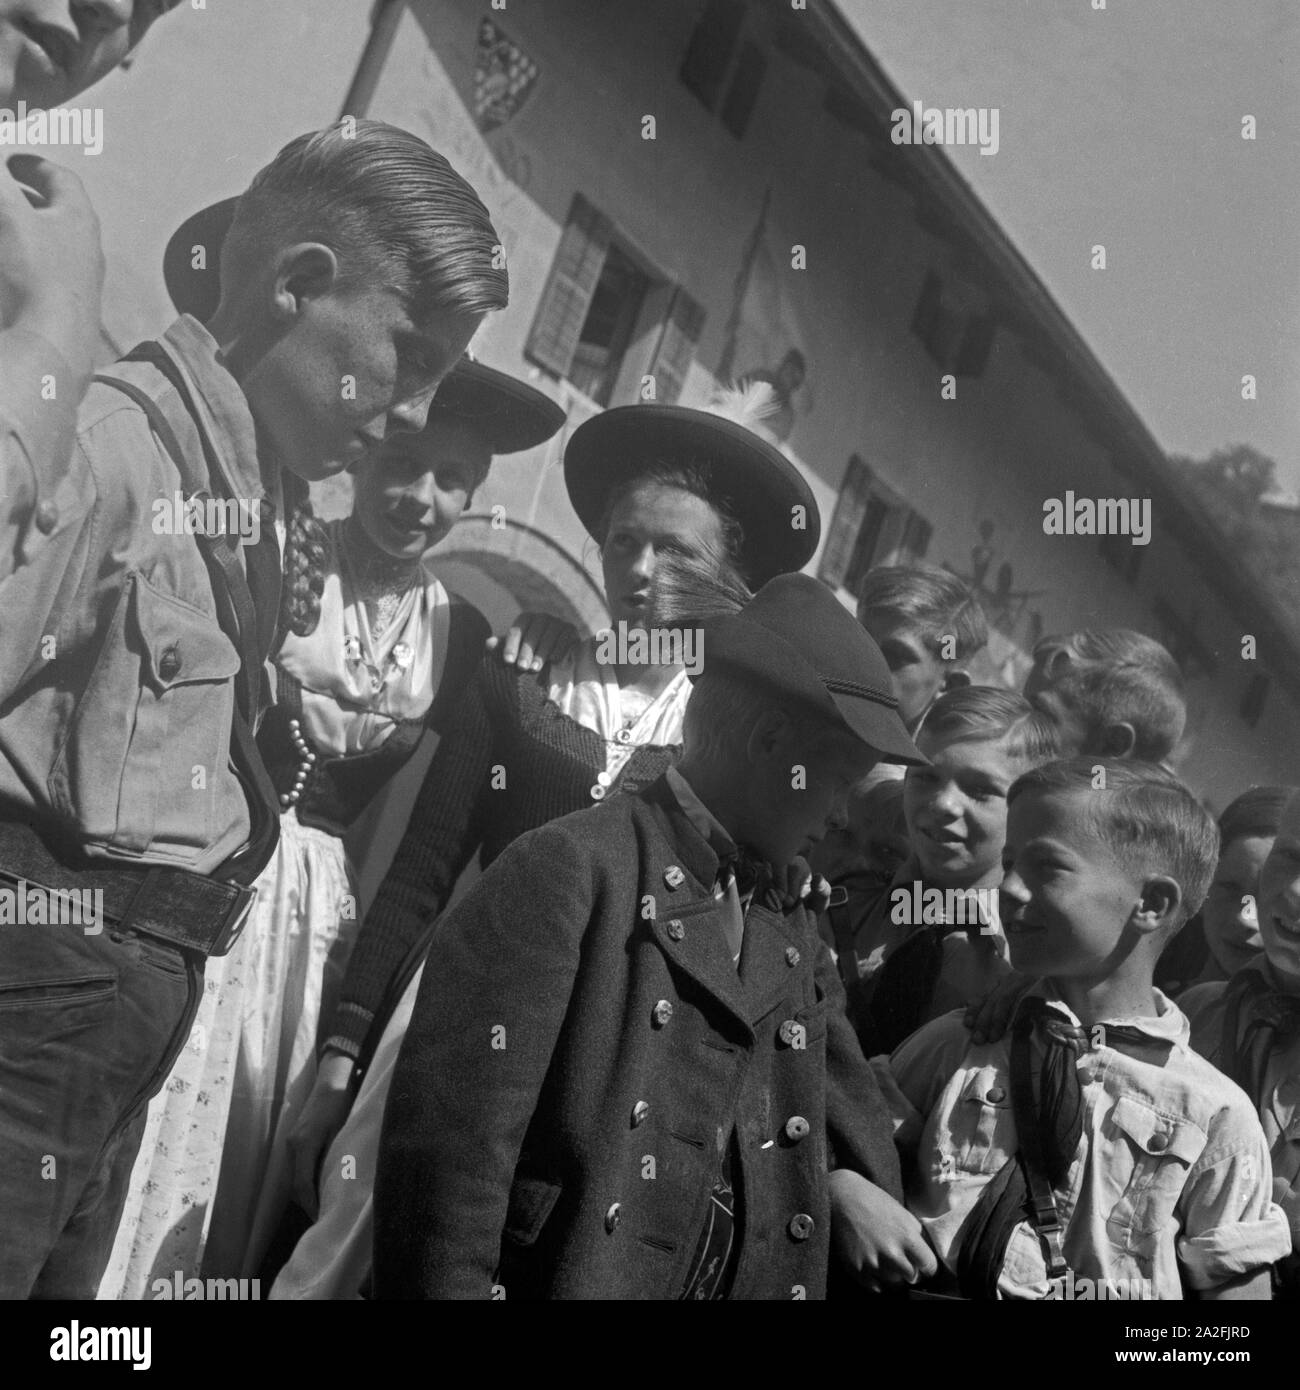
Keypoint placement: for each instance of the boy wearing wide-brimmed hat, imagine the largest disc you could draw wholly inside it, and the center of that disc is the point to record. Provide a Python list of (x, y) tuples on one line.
[(630, 1074)]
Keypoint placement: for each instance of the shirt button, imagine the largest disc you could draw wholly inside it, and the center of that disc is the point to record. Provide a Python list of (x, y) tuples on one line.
[(47, 517), (598, 793), (604, 778), (662, 1013), (612, 1217), (1158, 1143), (796, 1128), (996, 1095), (624, 736), (673, 876), (791, 955), (801, 1225), (639, 1112), (169, 664), (675, 930), (790, 1032)]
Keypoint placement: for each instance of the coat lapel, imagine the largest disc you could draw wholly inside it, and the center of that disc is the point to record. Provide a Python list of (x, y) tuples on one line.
[(768, 958)]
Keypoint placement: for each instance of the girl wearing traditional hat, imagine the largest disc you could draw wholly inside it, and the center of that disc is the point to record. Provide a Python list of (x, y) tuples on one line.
[(662, 490)]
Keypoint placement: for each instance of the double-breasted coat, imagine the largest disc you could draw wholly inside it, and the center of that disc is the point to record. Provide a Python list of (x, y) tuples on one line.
[(582, 1045)]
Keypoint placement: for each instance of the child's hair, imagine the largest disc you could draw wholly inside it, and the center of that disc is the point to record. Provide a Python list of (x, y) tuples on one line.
[(984, 713), (1257, 812), (394, 211), (1118, 676), (933, 600), (1146, 816), (305, 552)]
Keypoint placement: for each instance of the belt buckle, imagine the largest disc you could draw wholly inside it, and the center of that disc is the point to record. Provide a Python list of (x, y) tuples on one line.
[(236, 921)]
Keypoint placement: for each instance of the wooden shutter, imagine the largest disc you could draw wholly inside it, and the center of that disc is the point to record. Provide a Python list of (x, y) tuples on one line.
[(675, 351), (850, 510), (567, 297)]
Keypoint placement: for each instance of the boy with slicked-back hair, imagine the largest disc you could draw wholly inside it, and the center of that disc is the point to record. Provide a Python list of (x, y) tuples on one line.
[(132, 669)]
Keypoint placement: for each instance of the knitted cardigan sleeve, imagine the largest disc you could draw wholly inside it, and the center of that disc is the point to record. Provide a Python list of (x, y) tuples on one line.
[(445, 829)]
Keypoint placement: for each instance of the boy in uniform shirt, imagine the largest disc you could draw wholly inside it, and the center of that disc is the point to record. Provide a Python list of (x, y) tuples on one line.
[(1137, 1160), (131, 671), (1249, 1027)]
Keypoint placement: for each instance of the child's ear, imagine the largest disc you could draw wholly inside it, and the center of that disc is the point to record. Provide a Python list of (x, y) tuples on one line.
[(305, 271), (1158, 907)]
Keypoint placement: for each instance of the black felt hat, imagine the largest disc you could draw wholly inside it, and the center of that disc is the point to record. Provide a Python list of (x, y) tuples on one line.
[(796, 639), (756, 483), (507, 412)]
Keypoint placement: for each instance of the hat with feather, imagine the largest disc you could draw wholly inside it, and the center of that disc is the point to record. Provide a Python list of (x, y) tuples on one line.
[(748, 476)]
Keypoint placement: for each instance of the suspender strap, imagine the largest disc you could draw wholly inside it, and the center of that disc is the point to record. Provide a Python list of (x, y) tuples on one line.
[(1042, 1200), (237, 614)]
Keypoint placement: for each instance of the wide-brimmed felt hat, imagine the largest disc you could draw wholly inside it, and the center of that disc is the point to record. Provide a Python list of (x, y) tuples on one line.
[(797, 640), (198, 291), (507, 412), (750, 477)]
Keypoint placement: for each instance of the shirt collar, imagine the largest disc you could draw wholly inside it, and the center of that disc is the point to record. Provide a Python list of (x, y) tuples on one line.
[(710, 829), (223, 406), (1170, 1026)]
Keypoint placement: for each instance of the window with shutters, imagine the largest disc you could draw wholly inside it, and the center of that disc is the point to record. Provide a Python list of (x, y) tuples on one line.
[(722, 67), (872, 525), (609, 323)]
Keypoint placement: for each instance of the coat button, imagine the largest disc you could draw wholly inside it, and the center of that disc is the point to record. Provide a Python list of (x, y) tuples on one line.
[(673, 876), (792, 955), (791, 1033), (46, 518), (663, 1011), (639, 1112), (598, 793), (796, 1128), (675, 930), (996, 1095), (801, 1225), (612, 1217), (1158, 1143), (169, 664)]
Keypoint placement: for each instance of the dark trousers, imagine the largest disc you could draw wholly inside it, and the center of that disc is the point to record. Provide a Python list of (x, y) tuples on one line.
[(90, 1026)]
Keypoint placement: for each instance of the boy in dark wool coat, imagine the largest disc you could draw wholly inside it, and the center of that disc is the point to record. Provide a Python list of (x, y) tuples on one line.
[(628, 1074)]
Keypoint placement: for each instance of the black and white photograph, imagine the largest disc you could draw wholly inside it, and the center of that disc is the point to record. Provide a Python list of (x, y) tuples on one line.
[(650, 650)]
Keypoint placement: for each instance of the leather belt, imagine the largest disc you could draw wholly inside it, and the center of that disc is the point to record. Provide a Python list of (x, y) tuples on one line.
[(172, 905)]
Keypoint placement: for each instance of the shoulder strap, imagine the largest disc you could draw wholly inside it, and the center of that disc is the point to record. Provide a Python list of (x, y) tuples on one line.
[(237, 615)]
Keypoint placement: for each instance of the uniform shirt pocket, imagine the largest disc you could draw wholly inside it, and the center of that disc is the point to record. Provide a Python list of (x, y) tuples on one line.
[(148, 744), (1150, 1154), (981, 1126)]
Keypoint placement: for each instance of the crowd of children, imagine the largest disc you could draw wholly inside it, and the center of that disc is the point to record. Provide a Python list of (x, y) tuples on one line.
[(811, 966)]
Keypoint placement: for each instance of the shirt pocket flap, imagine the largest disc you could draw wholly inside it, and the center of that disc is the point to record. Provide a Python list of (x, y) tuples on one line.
[(180, 644), (987, 1086), (531, 1202), (1157, 1134)]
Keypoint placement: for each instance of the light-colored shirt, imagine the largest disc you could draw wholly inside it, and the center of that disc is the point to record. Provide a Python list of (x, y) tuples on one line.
[(1171, 1180), (116, 678), (1278, 1106), (358, 682)]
